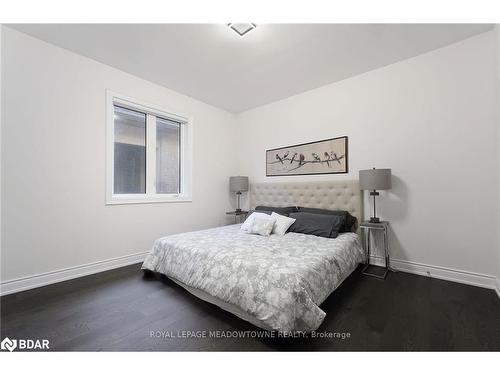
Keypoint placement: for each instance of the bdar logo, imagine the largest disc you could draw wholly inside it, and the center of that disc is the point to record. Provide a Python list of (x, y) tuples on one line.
[(8, 344), (24, 344)]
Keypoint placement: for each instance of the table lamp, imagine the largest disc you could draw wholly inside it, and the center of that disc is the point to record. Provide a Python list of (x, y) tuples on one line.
[(238, 184), (373, 180)]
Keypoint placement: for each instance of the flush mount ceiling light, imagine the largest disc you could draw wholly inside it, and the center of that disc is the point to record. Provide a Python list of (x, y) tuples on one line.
[(242, 28)]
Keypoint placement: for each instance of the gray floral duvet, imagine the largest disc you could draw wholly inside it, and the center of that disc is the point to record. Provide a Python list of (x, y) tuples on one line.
[(278, 280)]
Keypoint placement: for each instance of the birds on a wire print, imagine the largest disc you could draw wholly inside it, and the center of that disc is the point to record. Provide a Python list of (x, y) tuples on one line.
[(328, 157)]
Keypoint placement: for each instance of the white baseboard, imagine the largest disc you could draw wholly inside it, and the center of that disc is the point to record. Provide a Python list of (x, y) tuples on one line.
[(35, 281), (443, 273)]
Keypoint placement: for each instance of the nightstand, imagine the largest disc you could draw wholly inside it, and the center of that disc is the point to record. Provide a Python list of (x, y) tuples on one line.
[(238, 215), (366, 234)]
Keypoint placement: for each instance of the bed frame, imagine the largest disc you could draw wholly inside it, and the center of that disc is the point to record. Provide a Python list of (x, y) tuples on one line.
[(331, 195)]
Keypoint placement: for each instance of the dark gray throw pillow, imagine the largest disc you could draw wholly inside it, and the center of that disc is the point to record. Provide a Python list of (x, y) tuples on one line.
[(349, 220), (285, 211), (316, 224), (261, 211)]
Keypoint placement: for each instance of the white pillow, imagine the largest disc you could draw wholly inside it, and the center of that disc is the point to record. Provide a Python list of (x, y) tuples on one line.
[(282, 223), (247, 225), (262, 226)]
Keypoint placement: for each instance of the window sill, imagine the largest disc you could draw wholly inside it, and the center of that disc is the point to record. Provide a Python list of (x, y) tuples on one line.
[(147, 200)]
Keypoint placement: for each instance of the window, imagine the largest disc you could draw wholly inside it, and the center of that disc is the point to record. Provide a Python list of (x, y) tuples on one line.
[(130, 152), (148, 153), (168, 142)]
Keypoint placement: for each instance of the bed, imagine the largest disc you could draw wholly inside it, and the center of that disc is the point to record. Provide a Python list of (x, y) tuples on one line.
[(276, 282)]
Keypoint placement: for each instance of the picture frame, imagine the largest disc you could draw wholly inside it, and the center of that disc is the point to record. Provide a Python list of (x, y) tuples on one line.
[(327, 156)]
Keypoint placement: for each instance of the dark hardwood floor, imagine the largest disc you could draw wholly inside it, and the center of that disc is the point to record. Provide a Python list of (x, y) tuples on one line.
[(117, 311)]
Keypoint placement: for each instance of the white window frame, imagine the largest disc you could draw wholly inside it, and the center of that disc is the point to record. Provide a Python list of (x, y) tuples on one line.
[(150, 196)]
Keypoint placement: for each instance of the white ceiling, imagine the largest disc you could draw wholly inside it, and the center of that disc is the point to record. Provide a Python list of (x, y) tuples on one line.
[(211, 63)]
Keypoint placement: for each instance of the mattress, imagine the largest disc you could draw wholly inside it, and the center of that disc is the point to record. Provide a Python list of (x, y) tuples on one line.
[(274, 282)]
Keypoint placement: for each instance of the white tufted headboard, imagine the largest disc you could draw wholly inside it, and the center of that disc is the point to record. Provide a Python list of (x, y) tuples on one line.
[(330, 195)]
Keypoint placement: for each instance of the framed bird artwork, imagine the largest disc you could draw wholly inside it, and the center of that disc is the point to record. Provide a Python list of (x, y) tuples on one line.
[(328, 156)]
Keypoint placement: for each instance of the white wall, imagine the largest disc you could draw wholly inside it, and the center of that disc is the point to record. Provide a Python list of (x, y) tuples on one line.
[(53, 162), (497, 106), (1, 118), (430, 119)]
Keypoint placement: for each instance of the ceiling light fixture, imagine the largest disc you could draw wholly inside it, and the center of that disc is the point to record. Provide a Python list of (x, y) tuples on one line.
[(241, 28)]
